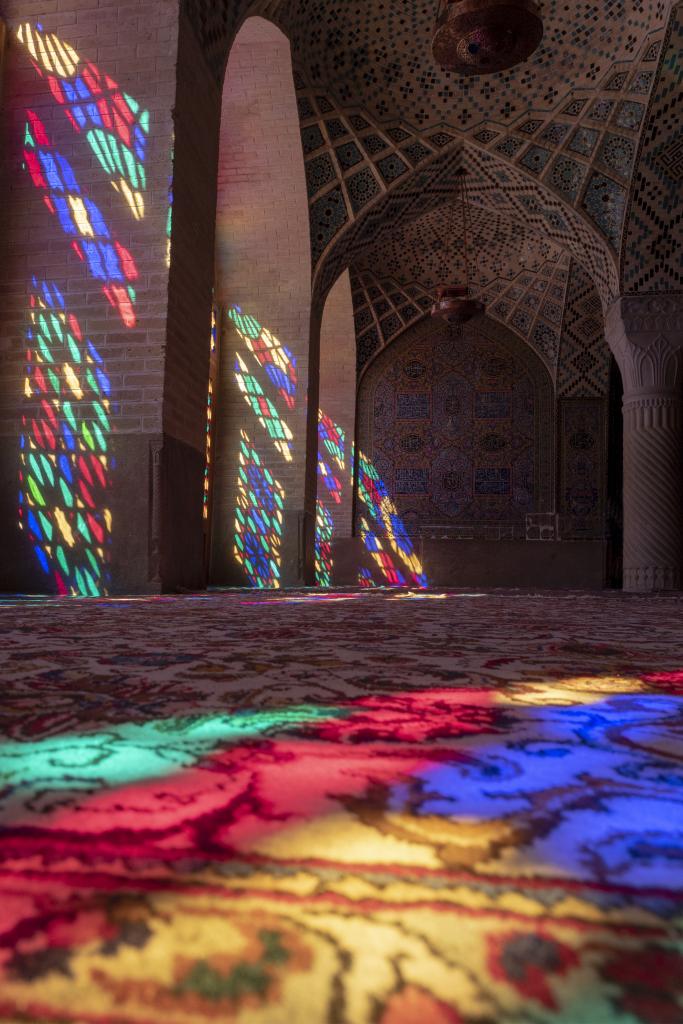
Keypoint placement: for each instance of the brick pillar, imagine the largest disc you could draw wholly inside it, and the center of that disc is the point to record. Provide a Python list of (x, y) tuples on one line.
[(263, 267), (338, 392), (646, 337), (116, 473)]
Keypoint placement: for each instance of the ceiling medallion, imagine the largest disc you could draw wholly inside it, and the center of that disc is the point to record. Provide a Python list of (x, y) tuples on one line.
[(479, 37), (453, 301)]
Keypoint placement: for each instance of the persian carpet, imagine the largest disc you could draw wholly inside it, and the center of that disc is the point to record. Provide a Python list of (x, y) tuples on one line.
[(342, 808)]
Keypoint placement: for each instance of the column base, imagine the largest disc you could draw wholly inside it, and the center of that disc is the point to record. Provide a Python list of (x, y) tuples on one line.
[(646, 579)]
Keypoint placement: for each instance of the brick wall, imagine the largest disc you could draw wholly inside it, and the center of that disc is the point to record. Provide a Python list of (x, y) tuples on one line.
[(338, 387), (262, 266), (156, 366)]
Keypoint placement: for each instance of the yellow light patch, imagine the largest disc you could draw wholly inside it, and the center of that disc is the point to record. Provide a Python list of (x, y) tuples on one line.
[(64, 527), (72, 381), (134, 199), (81, 217), (49, 51)]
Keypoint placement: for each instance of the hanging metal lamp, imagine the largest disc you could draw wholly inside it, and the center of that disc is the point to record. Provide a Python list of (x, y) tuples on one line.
[(453, 301), (480, 37)]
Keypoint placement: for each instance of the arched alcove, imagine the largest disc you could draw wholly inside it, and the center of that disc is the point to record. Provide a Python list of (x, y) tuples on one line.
[(263, 294), (460, 427)]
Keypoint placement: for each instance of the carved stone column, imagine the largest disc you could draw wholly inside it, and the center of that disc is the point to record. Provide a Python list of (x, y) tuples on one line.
[(646, 336)]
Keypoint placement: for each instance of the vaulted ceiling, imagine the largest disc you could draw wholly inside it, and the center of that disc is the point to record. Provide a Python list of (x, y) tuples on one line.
[(552, 146)]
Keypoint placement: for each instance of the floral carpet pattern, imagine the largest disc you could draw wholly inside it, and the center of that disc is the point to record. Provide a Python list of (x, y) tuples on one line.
[(342, 808)]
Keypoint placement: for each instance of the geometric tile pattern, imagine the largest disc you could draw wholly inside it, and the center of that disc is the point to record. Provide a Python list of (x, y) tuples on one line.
[(502, 189), (583, 367), (582, 481), (461, 429), (566, 176), (521, 279), (382, 309), (382, 52), (653, 242), (588, 65)]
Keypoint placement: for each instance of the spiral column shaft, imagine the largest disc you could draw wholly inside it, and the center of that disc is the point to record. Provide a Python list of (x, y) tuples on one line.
[(653, 492), (646, 337)]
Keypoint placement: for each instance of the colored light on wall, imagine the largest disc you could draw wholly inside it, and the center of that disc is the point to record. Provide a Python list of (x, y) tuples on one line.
[(331, 436), (323, 546), (391, 574), (258, 518), (169, 212), (259, 513), (214, 330), (114, 124), (330, 444), (373, 492), (388, 542), (207, 462), (266, 413), (64, 463), (107, 260), (275, 358), (213, 373), (365, 578), (331, 441), (332, 483)]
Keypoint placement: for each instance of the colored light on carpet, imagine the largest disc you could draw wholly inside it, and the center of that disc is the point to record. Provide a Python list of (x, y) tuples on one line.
[(420, 595), (115, 126), (131, 753), (258, 523), (64, 463), (415, 814)]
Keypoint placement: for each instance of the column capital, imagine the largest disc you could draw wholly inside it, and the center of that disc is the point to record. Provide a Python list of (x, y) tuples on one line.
[(645, 333)]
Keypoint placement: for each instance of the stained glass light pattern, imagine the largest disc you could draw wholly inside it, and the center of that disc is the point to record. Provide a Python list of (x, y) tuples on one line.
[(373, 492), (64, 465), (330, 444), (332, 483), (276, 359), (265, 411), (323, 546), (365, 578), (169, 212), (107, 260), (213, 367), (331, 437), (258, 522), (391, 574), (207, 463), (114, 124)]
